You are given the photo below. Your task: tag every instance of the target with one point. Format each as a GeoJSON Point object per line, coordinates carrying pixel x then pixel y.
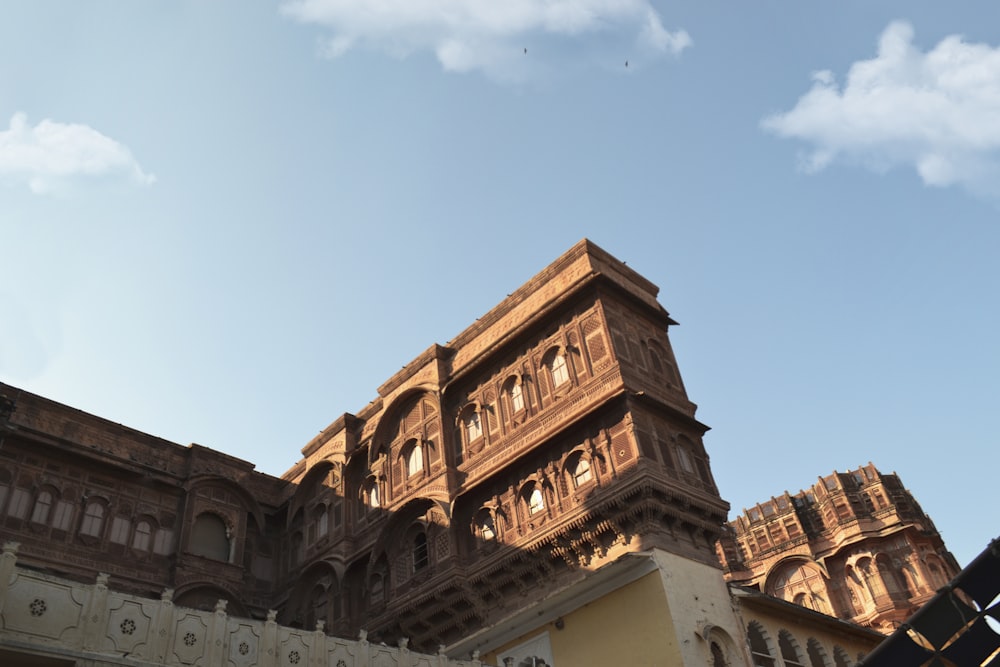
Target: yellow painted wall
{"type": "Point", "coordinates": [630, 626]}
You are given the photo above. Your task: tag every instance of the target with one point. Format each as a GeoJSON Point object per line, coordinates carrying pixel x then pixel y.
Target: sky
{"type": "Point", "coordinates": [228, 222]}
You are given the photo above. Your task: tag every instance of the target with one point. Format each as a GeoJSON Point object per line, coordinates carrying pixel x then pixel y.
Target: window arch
{"type": "Point", "coordinates": [685, 454]}
{"type": "Point", "coordinates": [370, 493]}
{"type": "Point", "coordinates": [62, 517]}
{"type": "Point", "coordinates": [322, 521]}
{"type": "Point", "coordinates": [20, 503]}
{"type": "Point", "coordinates": [43, 505]}
{"type": "Point", "coordinates": [936, 573]}
{"type": "Point", "coordinates": [210, 537]}
{"type": "Point", "coordinates": [840, 657]}
{"type": "Point", "coordinates": [789, 652]}
{"type": "Point", "coordinates": [759, 650]}
{"type": "Point", "coordinates": [579, 470]}
{"type": "Point", "coordinates": [485, 525]}
{"type": "Point", "coordinates": [534, 499]}
{"type": "Point", "coordinates": [816, 653]}
{"type": "Point", "coordinates": [516, 396]}
{"type": "Point", "coordinates": [93, 519]}
{"type": "Point", "coordinates": [121, 527]}
{"type": "Point", "coordinates": [472, 426]}
{"type": "Point", "coordinates": [413, 456]}
{"type": "Point", "coordinates": [718, 657]}
{"type": "Point", "coordinates": [558, 369]}
{"type": "Point", "coordinates": [142, 536]}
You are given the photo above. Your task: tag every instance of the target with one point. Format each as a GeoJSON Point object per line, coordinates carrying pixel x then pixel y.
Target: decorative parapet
{"type": "Point", "coordinates": [45, 615]}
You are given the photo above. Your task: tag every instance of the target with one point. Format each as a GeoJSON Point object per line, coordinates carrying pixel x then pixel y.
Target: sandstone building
{"type": "Point", "coordinates": [855, 545]}
{"type": "Point", "coordinates": [534, 491]}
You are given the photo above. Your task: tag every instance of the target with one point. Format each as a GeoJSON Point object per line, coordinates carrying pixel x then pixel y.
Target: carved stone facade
{"type": "Point", "coordinates": [519, 491]}
{"type": "Point", "coordinates": [548, 439]}
{"type": "Point", "coordinates": [856, 545]}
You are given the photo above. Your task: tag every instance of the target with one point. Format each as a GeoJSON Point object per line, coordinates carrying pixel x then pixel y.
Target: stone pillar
{"type": "Point", "coordinates": [317, 651]}
{"type": "Point", "coordinates": [7, 563]}
{"type": "Point", "coordinates": [269, 642]}
{"type": "Point", "coordinates": [217, 635]}
{"type": "Point", "coordinates": [404, 653]}
{"type": "Point", "coordinates": [163, 626]}
{"type": "Point", "coordinates": [95, 615]}
{"type": "Point", "coordinates": [364, 654]}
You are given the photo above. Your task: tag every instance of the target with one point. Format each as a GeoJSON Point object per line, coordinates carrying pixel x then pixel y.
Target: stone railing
{"type": "Point", "coordinates": [90, 624]}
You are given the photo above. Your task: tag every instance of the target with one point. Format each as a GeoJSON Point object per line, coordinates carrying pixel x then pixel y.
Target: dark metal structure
{"type": "Point", "coordinates": [959, 627]}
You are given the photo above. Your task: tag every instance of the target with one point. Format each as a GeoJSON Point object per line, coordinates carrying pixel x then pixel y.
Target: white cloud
{"type": "Point", "coordinates": [938, 111]}
{"type": "Point", "coordinates": [487, 35]}
{"type": "Point", "coordinates": [46, 155]}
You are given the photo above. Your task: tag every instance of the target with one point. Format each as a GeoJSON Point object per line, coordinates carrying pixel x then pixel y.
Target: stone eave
{"type": "Point", "coordinates": [750, 597]}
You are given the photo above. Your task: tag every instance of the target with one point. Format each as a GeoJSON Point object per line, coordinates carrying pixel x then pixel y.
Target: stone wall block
{"type": "Point", "coordinates": [384, 656]}
{"type": "Point", "coordinates": [190, 639]}
{"type": "Point", "coordinates": [341, 653]}
{"type": "Point", "coordinates": [43, 608]}
{"type": "Point", "coordinates": [130, 627]}
{"type": "Point", "coordinates": [244, 643]}
{"type": "Point", "coordinates": [293, 650]}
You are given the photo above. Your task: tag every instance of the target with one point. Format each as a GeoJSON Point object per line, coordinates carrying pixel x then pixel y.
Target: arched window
{"type": "Point", "coordinates": [163, 541]}
{"type": "Point", "coordinates": [420, 555]}
{"type": "Point", "coordinates": [485, 526]}
{"type": "Point", "coordinates": [322, 521]}
{"type": "Point", "coordinates": [559, 371]}
{"type": "Point", "coordinates": [43, 503]}
{"type": "Point", "coordinates": [62, 519]}
{"type": "Point", "coordinates": [516, 397]}
{"type": "Point", "coordinates": [789, 653]}
{"type": "Point", "coordinates": [93, 520]}
{"type": "Point", "coordinates": [817, 656]}
{"type": "Point", "coordinates": [20, 502]}
{"type": "Point", "coordinates": [536, 501]}
{"type": "Point", "coordinates": [414, 460]}
{"type": "Point", "coordinates": [758, 646]}
{"type": "Point", "coordinates": [473, 426]}
{"type": "Point", "coordinates": [718, 658]}
{"type": "Point", "coordinates": [371, 495]}
{"type": "Point", "coordinates": [581, 472]}
{"type": "Point", "coordinates": [210, 537]}
{"type": "Point", "coordinates": [684, 458]}
{"type": "Point", "coordinates": [121, 526]}
{"type": "Point", "coordinates": [142, 536]}
{"type": "Point", "coordinates": [937, 577]}
{"type": "Point", "coordinates": [840, 657]}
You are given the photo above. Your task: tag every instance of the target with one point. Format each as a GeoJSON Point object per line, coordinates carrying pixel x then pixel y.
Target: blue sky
{"type": "Point", "coordinates": [228, 222]}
